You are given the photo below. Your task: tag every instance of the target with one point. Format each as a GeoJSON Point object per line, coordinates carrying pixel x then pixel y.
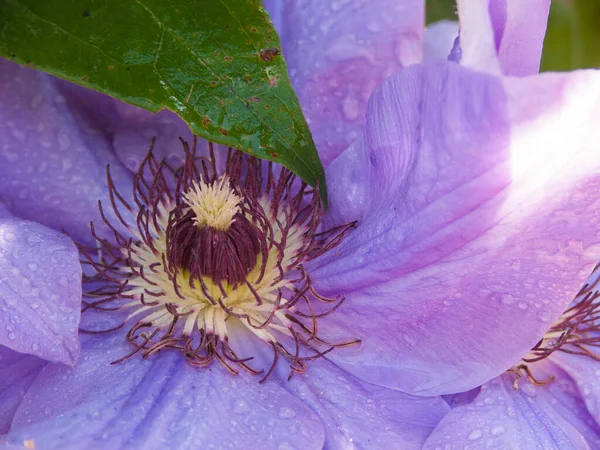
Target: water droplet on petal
{"type": "Point", "coordinates": [240, 407]}
{"type": "Point", "coordinates": [475, 434]}
{"type": "Point", "coordinates": [498, 430]}
{"type": "Point", "coordinates": [286, 413]}
{"type": "Point", "coordinates": [350, 107]}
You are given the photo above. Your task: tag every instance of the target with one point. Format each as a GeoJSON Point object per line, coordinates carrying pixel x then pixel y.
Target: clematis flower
{"type": "Point", "coordinates": [472, 193]}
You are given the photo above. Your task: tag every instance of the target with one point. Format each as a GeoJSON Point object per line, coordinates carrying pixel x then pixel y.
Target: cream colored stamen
{"type": "Point", "coordinates": [214, 205]}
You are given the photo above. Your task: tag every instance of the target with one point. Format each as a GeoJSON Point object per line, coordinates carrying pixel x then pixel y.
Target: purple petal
{"type": "Point", "coordinates": [338, 52]}
{"type": "Point", "coordinates": [586, 374]}
{"type": "Point", "coordinates": [17, 373]}
{"type": "Point", "coordinates": [160, 402]}
{"type": "Point", "coordinates": [503, 35]}
{"type": "Point", "coordinates": [53, 158]}
{"type": "Point", "coordinates": [40, 291]}
{"type": "Point", "coordinates": [438, 40]}
{"type": "Point", "coordinates": [545, 417]}
{"type": "Point", "coordinates": [473, 197]}
{"type": "Point", "coordinates": [131, 130]}
{"type": "Point", "coordinates": [360, 415]}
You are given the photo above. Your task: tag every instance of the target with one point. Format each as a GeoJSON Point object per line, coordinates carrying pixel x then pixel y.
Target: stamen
{"type": "Point", "coordinates": [214, 205]}
{"type": "Point", "coordinates": [212, 255]}
{"type": "Point", "coordinates": [576, 332]}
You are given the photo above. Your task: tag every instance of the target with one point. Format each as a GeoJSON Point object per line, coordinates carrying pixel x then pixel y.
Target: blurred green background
{"type": "Point", "coordinates": [573, 36]}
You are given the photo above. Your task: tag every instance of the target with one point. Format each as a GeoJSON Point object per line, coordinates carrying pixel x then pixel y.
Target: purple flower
{"type": "Point", "coordinates": [474, 195]}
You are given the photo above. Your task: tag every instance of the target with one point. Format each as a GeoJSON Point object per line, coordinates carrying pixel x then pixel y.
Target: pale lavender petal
{"type": "Point", "coordinates": [52, 158]}
{"type": "Point", "coordinates": [17, 373]}
{"type": "Point", "coordinates": [158, 403]}
{"type": "Point", "coordinates": [40, 291]}
{"type": "Point", "coordinates": [474, 227]}
{"type": "Point", "coordinates": [360, 415]}
{"type": "Point", "coordinates": [438, 40]}
{"type": "Point", "coordinates": [586, 374]}
{"type": "Point", "coordinates": [338, 52]}
{"type": "Point", "coordinates": [503, 35]}
{"type": "Point", "coordinates": [545, 417]}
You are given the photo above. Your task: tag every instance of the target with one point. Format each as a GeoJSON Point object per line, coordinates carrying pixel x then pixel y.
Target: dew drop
{"type": "Point", "coordinates": [475, 434]}
{"type": "Point", "coordinates": [63, 140]}
{"type": "Point", "coordinates": [37, 100]}
{"type": "Point", "coordinates": [350, 108]}
{"type": "Point", "coordinates": [286, 413]}
{"type": "Point", "coordinates": [11, 336]}
{"type": "Point", "coordinates": [507, 299]}
{"type": "Point", "coordinates": [18, 135]}
{"type": "Point", "coordinates": [497, 430]}
{"type": "Point", "coordinates": [240, 407]}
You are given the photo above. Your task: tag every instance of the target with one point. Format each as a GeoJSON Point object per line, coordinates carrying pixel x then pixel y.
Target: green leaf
{"type": "Point", "coordinates": [215, 63]}
{"type": "Point", "coordinates": [440, 10]}
{"type": "Point", "coordinates": [572, 36]}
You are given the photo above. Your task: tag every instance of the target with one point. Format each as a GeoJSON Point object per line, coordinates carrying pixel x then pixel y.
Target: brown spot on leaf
{"type": "Point", "coordinates": [29, 64]}
{"type": "Point", "coordinates": [273, 81]}
{"type": "Point", "coordinates": [273, 154]}
{"type": "Point", "coordinates": [254, 29]}
{"type": "Point", "coordinates": [205, 122]}
{"type": "Point", "coordinates": [267, 54]}
{"type": "Point", "coordinates": [223, 131]}
{"type": "Point", "coordinates": [221, 103]}
{"type": "Point", "coordinates": [111, 67]}
{"type": "Point", "coordinates": [267, 106]}
{"type": "Point", "coordinates": [228, 58]}
{"type": "Point", "coordinates": [213, 83]}
{"type": "Point", "coordinates": [85, 78]}
{"type": "Point", "coordinates": [254, 99]}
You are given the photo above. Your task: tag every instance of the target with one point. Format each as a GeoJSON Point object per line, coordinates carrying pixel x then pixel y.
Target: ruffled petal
{"type": "Point", "coordinates": [503, 36]}
{"type": "Point", "coordinates": [40, 291]}
{"type": "Point", "coordinates": [360, 415]}
{"type": "Point", "coordinates": [551, 417]}
{"type": "Point", "coordinates": [475, 225]}
{"type": "Point", "coordinates": [17, 373]}
{"type": "Point", "coordinates": [52, 158]}
{"type": "Point", "coordinates": [338, 52]}
{"type": "Point", "coordinates": [158, 403]}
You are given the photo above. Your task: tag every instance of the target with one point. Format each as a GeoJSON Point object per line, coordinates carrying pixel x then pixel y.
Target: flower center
{"type": "Point", "coordinates": [214, 259]}
{"type": "Point", "coordinates": [209, 235]}
{"type": "Point", "coordinates": [576, 332]}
